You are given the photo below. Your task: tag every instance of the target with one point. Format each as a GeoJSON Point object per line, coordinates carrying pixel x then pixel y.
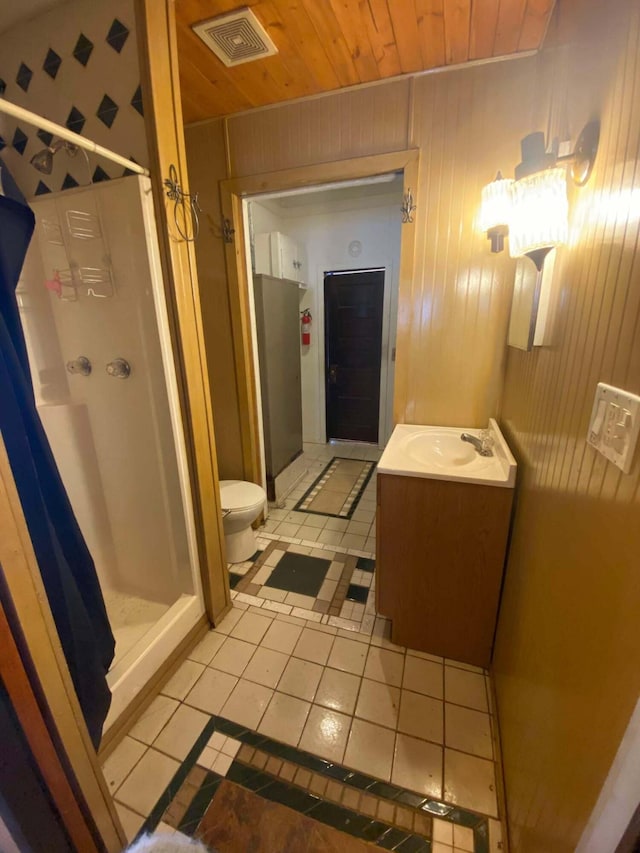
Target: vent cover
{"type": "Point", "coordinates": [236, 38]}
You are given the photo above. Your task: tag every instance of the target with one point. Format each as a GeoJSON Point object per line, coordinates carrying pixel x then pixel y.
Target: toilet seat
{"type": "Point", "coordinates": [238, 495]}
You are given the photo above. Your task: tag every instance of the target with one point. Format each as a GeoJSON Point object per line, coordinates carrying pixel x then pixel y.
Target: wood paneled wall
{"type": "Point", "coordinates": [207, 166]}
{"type": "Point", "coordinates": [567, 658]}
{"type": "Point", "coordinates": [466, 124]}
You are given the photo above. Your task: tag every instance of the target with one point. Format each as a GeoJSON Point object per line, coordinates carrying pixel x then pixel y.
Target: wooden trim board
{"type": "Point", "coordinates": [232, 193]}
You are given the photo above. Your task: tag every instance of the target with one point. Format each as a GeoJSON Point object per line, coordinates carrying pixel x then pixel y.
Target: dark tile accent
{"type": "Point", "coordinates": [408, 798]}
{"type": "Point", "coordinates": [3, 86]}
{"type": "Point", "coordinates": [3, 144]}
{"type": "Point", "coordinates": [69, 182]}
{"type": "Point", "coordinates": [107, 111]}
{"type": "Point", "coordinates": [229, 728]}
{"type": "Point", "coordinates": [289, 795]}
{"type": "Point", "coordinates": [200, 803]}
{"type": "Point", "coordinates": [23, 77]}
{"type": "Point", "coordinates": [358, 780]}
{"type": "Point", "coordinates": [464, 818]}
{"type": "Point", "coordinates": [51, 64]}
{"type": "Point", "coordinates": [255, 556]}
{"type": "Point", "coordinates": [335, 771]}
{"type": "Point", "coordinates": [181, 774]}
{"type": "Point", "coordinates": [241, 774]}
{"type": "Point", "coordinates": [136, 103]}
{"type": "Point", "coordinates": [357, 593]}
{"type": "Point", "coordinates": [414, 844]}
{"type": "Point", "coordinates": [366, 564]}
{"type": "Point", "coordinates": [392, 839]}
{"type": "Point", "coordinates": [83, 49]}
{"type": "Point", "coordinates": [299, 573]}
{"type": "Point", "coordinates": [340, 818]}
{"type": "Point", "coordinates": [234, 579]}
{"type": "Point", "coordinates": [253, 738]}
{"type": "Point", "coordinates": [373, 831]}
{"type": "Point", "coordinates": [42, 188]}
{"type": "Point", "coordinates": [117, 35]}
{"type": "Point", "coordinates": [45, 136]}
{"type": "Point", "coordinates": [382, 789]}
{"type": "Point", "coordinates": [19, 141]}
{"type": "Point", "coordinates": [99, 175]}
{"type": "Point", "coordinates": [75, 120]}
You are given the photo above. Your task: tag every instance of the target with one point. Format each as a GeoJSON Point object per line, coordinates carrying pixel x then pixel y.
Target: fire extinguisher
{"type": "Point", "coordinates": [306, 327]}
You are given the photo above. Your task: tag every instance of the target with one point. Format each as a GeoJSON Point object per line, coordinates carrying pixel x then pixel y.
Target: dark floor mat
{"type": "Point", "coordinates": [299, 573]}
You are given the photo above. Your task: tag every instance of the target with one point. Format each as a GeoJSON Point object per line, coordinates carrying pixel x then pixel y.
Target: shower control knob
{"type": "Point", "coordinates": [119, 368]}
{"type": "Point", "coordinates": [80, 365]}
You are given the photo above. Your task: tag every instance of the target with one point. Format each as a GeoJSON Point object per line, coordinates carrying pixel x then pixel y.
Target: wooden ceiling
{"type": "Point", "coordinates": [328, 44]}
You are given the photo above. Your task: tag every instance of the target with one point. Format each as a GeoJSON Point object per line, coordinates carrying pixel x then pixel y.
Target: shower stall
{"type": "Point", "coordinates": [93, 309]}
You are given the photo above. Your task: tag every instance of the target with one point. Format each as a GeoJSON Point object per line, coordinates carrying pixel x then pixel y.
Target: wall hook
{"type": "Point", "coordinates": [185, 201]}
{"type": "Point", "coordinates": [227, 231]}
{"type": "Point", "coordinates": [407, 207]}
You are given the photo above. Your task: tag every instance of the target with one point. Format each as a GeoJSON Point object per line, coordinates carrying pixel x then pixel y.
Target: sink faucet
{"type": "Point", "coordinates": [482, 445]}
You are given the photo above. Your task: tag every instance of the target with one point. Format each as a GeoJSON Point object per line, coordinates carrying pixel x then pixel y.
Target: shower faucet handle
{"type": "Point", "coordinates": [120, 368]}
{"type": "Point", "coordinates": [80, 365]}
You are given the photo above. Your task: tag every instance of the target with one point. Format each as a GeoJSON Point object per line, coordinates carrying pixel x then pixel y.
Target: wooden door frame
{"type": "Point", "coordinates": [232, 193]}
{"type": "Point", "coordinates": [329, 274]}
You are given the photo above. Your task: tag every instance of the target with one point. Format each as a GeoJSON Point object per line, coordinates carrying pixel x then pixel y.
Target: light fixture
{"type": "Point", "coordinates": [495, 211]}
{"type": "Point", "coordinates": [43, 160]}
{"type": "Point", "coordinates": [534, 209]}
{"type": "Point", "coordinates": [539, 215]}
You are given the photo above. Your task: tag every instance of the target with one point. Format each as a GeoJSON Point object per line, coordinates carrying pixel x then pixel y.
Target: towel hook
{"type": "Point", "coordinates": [181, 199]}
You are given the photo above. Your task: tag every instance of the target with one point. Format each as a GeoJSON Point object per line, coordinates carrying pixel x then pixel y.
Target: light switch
{"type": "Point", "coordinates": [615, 424]}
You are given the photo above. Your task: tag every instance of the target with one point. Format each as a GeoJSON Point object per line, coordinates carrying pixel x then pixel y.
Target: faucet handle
{"type": "Point", "coordinates": [486, 437]}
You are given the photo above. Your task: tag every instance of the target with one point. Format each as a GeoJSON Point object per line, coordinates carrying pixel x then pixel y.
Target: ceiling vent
{"type": "Point", "coordinates": [236, 38]}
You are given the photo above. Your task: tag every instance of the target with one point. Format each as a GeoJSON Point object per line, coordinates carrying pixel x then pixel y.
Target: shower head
{"type": "Point", "coordinates": [43, 160]}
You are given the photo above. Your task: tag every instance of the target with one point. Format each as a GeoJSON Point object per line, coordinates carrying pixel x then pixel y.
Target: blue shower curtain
{"type": "Point", "coordinates": [64, 561]}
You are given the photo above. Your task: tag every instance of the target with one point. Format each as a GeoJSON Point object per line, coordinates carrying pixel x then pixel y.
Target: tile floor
{"type": "Point", "coordinates": [334, 686]}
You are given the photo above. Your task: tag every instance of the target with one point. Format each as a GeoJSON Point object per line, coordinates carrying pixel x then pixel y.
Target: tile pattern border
{"type": "Point", "coordinates": [352, 500]}
{"type": "Point", "coordinates": [407, 827]}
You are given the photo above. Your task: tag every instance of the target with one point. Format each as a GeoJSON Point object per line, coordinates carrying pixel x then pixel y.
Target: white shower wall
{"type": "Point", "coordinates": [118, 442]}
{"type": "Point", "coordinates": [112, 437]}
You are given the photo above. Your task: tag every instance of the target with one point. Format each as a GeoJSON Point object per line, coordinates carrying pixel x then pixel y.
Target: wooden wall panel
{"type": "Point", "coordinates": [466, 124]}
{"type": "Point", "coordinates": [334, 127]}
{"type": "Point", "coordinates": [567, 659]}
{"type": "Point", "coordinates": [207, 166]}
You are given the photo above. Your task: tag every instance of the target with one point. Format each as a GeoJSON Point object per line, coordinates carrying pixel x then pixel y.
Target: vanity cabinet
{"type": "Point", "coordinates": [441, 548]}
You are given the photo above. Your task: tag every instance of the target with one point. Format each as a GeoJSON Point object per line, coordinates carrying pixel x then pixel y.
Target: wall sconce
{"type": "Point", "coordinates": [534, 210]}
{"type": "Point", "coordinates": [495, 211]}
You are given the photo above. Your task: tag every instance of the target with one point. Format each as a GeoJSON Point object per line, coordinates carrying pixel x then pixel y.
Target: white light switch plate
{"type": "Point", "coordinates": [615, 424]}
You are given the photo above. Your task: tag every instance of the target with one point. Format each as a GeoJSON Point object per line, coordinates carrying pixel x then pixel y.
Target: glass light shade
{"type": "Point", "coordinates": [495, 207]}
{"type": "Point", "coordinates": [539, 213]}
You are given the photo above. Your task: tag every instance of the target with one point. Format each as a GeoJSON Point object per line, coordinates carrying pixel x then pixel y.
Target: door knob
{"type": "Point", "coordinates": [333, 374]}
{"type": "Point", "coordinates": [80, 365]}
{"type": "Point", "coordinates": [120, 368]}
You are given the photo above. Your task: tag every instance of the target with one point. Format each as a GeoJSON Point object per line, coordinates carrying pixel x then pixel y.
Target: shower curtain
{"type": "Point", "coordinates": [67, 569]}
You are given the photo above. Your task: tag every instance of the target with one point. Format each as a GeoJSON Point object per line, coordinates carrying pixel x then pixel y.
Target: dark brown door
{"type": "Point", "coordinates": [353, 347]}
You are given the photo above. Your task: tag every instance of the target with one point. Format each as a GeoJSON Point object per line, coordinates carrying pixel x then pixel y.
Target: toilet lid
{"type": "Point", "coordinates": [238, 494]}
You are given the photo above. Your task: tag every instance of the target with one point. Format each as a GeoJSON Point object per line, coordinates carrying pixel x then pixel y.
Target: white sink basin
{"type": "Point", "coordinates": [439, 453]}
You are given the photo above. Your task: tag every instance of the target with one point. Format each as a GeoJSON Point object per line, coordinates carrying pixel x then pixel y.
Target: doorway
{"type": "Point", "coordinates": [353, 304]}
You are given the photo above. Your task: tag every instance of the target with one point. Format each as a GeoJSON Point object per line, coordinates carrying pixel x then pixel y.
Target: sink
{"type": "Point", "coordinates": [439, 453]}
{"type": "Point", "coordinates": [441, 448]}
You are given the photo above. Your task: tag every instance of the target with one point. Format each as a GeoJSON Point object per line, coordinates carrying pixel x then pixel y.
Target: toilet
{"type": "Point", "coordinates": [241, 504]}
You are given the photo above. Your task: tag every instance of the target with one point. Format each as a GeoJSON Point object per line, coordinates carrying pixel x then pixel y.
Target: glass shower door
{"type": "Point", "coordinates": [93, 308]}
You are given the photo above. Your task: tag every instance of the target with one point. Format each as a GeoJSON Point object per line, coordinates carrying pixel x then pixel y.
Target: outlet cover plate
{"type": "Point", "coordinates": [615, 424]}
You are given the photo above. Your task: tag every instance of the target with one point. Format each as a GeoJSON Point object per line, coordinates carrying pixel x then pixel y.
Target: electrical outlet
{"type": "Point", "coordinates": [615, 424]}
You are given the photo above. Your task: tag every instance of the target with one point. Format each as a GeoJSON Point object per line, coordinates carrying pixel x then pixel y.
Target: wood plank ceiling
{"type": "Point", "coordinates": [329, 44]}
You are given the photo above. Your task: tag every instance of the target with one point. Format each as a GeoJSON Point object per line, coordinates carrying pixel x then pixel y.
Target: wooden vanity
{"type": "Point", "coordinates": [440, 553]}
